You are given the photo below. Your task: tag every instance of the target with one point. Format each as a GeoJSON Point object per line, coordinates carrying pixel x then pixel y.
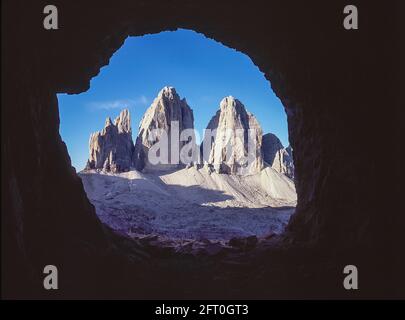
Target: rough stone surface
{"type": "Point", "coordinates": [278, 157]}
{"type": "Point", "coordinates": [333, 98]}
{"type": "Point", "coordinates": [111, 149]}
{"type": "Point", "coordinates": [244, 243]}
{"type": "Point", "coordinates": [236, 142]}
{"type": "Point", "coordinates": [166, 110]}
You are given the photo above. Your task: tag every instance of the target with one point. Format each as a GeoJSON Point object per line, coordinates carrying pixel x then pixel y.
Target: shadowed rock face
{"type": "Point", "coordinates": [229, 151]}
{"type": "Point", "coordinates": [278, 157]}
{"type": "Point", "coordinates": [166, 110]}
{"type": "Point", "coordinates": [111, 149]}
{"type": "Point", "coordinates": [333, 83]}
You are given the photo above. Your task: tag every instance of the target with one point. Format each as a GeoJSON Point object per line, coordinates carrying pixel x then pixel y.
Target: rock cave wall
{"type": "Point", "coordinates": [333, 83]}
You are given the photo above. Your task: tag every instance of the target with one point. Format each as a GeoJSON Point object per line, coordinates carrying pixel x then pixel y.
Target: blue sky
{"type": "Point", "coordinates": [202, 70]}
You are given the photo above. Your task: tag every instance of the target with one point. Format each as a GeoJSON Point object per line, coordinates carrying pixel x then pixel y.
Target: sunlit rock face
{"type": "Point", "coordinates": [111, 149]}
{"type": "Point", "coordinates": [276, 156]}
{"type": "Point", "coordinates": [166, 118]}
{"type": "Point", "coordinates": [236, 138]}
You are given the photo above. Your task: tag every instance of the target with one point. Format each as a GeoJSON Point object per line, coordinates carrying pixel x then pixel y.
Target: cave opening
{"type": "Point", "coordinates": [169, 83]}
{"type": "Point", "coordinates": [332, 83]}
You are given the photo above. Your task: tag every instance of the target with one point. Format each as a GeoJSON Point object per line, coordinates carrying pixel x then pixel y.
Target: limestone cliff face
{"type": "Point", "coordinates": [289, 162]}
{"type": "Point", "coordinates": [235, 144]}
{"type": "Point", "coordinates": [236, 140]}
{"type": "Point", "coordinates": [276, 156]}
{"type": "Point", "coordinates": [111, 149]}
{"type": "Point", "coordinates": [168, 115]}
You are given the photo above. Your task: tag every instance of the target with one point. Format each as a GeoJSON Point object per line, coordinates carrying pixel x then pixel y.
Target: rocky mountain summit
{"type": "Point", "coordinates": [111, 149]}
{"type": "Point", "coordinates": [237, 139]}
{"type": "Point", "coordinates": [276, 156]}
{"type": "Point", "coordinates": [171, 116]}
{"type": "Point", "coordinates": [233, 143]}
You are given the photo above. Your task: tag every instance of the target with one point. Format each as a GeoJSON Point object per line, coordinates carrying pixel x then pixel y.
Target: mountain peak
{"type": "Point", "coordinates": [233, 103]}
{"type": "Point", "coordinates": [108, 122]}
{"type": "Point", "coordinates": [229, 100]}
{"type": "Point", "coordinates": [167, 91]}
{"type": "Point", "coordinates": [278, 157]}
{"type": "Point", "coordinates": [167, 108]}
{"type": "Point", "coordinates": [111, 148]}
{"type": "Point", "coordinates": [233, 116]}
{"type": "Point", "coordinates": [123, 121]}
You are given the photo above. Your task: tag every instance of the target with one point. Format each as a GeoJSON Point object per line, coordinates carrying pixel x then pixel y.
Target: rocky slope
{"type": "Point", "coordinates": [111, 149]}
{"type": "Point", "coordinates": [236, 140]}
{"type": "Point", "coordinates": [276, 156]}
{"type": "Point", "coordinates": [192, 203]}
